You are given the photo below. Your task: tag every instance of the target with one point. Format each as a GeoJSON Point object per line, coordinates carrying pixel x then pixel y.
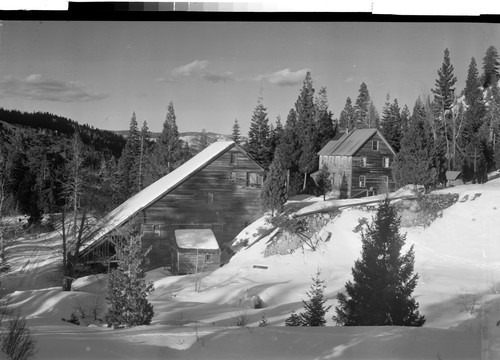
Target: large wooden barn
{"type": "Point", "coordinates": [218, 189]}
{"type": "Point", "coordinates": [362, 159]}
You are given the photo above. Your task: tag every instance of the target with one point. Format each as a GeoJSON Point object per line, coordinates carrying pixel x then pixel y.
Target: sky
{"type": "Point", "coordinates": [99, 73]}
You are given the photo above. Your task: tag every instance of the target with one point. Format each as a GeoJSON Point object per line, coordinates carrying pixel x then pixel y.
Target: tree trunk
{"type": "Point", "coordinates": [305, 182]}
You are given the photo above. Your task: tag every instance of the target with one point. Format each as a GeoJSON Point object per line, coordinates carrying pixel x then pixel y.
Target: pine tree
{"type": "Point", "coordinates": [362, 107]}
{"type": "Point", "coordinates": [166, 154]}
{"type": "Point", "coordinates": [326, 129]}
{"type": "Point", "coordinates": [314, 308]}
{"type": "Point", "coordinates": [413, 164]}
{"type": "Point", "coordinates": [444, 95]}
{"type": "Point", "coordinates": [274, 190]}
{"type": "Point", "coordinates": [127, 288]}
{"type": "Point", "coordinates": [373, 117]}
{"type": "Point", "coordinates": [258, 135]}
{"type": "Point", "coordinates": [145, 148]}
{"type": "Point", "coordinates": [405, 118]}
{"type": "Point", "coordinates": [383, 279]}
{"type": "Point", "coordinates": [236, 135]}
{"type": "Point", "coordinates": [128, 163]}
{"type": "Point", "coordinates": [490, 66]}
{"type": "Point", "coordinates": [346, 120]}
{"type": "Point", "coordinates": [308, 133]}
{"type": "Point", "coordinates": [391, 124]}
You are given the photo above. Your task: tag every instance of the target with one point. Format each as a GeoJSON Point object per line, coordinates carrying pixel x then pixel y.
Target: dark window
{"type": "Point", "coordinates": [234, 157]}
{"type": "Point", "coordinates": [232, 176]}
{"type": "Point", "coordinates": [385, 180]}
{"type": "Point", "coordinates": [375, 145]}
{"type": "Point", "coordinates": [208, 257]}
{"type": "Point", "coordinates": [156, 230]}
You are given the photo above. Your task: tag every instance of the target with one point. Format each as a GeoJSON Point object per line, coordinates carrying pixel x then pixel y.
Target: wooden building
{"type": "Point", "coordinates": [194, 251]}
{"type": "Point", "coordinates": [454, 178]}
{"type": "Point", "coordinates": [362, 159]}
{"type": "Point", "coordinates": [218, 189]}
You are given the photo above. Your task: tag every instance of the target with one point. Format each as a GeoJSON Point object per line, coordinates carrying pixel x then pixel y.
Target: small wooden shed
{"type": "Point", "coordinates": [454, 178]}
{"type": "Point", "coordinates": [195, 250]}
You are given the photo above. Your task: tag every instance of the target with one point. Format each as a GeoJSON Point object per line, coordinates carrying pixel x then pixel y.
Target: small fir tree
{"type": "Point", "coordinates": [274, 191]}
{"type": "Point", "coordinates": [383, 278]}
{"type": "Point", "coordinates": [293, 320]}
{"type": "Point", "coordinates": [258, 135]}
{"type": "Point", "coordinates": [314, 308]}
{"type": "Point", "coordinates": [127, 288]}
{"type": "Point", "coordinates": [323, 183]}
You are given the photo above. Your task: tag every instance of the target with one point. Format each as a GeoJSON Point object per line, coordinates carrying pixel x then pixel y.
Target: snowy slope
{"type": "Point", "coordinates": [457, 254]}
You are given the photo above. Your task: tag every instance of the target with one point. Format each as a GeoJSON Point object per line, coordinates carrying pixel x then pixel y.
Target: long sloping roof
{"type": "Point", "coordinates": [155, 191]}
{"type": "Point", "coordinates": [350, 143]}
{"type": "Point", "coordinates": [452, 175]}
{"type": "Point", "coordinates": [332, 144]}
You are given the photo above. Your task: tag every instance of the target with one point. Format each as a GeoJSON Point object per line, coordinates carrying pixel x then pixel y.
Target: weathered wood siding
{"type": "Point", "coordinates": [221, 196]}
{"type": "Point", "coordinates": [374, 171]}
{"type": "Point", "coordinates": [192, 261]}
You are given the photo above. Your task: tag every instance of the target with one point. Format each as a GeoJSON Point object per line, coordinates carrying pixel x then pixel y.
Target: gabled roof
{"type": "Point", "coordinates": [332, 144]}
{"type": "Point", "coordinates": [452, 175]}
{"type": "Point", "coordinates": [155, 191]}
{"type": "Point", "coordinates": [203, 239]}
{"type": "Point", "coordinates": [351, 142]}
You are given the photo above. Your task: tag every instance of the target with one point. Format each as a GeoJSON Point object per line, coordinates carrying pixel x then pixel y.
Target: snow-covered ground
{"type": "Point", "coordinates": [457, 255]}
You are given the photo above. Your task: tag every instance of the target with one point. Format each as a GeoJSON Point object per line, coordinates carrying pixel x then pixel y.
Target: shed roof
{"type": "Point", "coordinates": [203, 239]}
{"type": "Point", "coordinates": [350, 143]}
{"type": "Point", "coordinates": [155, 191]}
{"type": "Point", "coordinates": [452, 175]}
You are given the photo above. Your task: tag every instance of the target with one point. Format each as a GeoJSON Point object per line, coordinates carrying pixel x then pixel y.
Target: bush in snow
{"type": "Point", "coordinates": [16, 338]}
{"type": "Point", "coordinates": [383, 279]}
{"type": "Point", "coordinates": [293, 320]}
{"type": "Point", "coordinates": [127, 288]}
{"type": "Point", "coordinates": [263, 321]}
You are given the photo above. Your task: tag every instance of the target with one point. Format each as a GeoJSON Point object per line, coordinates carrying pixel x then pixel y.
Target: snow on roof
{"type": "Point", "coordinates": [350, 143]}
{"type": "Point", "coordinates": [153, 192]}
{"type": "Point", "coordinates": [452, 175]}
{"type": "Point", "coordinates": [196, 239]}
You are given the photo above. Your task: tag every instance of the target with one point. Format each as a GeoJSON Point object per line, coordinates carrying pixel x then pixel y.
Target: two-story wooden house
{"type": "Point", "coordinates": [218, 189]}
{"type": "Point", "coordinates": [363, 159]}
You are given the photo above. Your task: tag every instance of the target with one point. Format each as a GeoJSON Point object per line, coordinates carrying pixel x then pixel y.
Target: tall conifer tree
{"type": "Point", "coordinates": [490, 66]}
{"type": "Point", "coordinates": [361, 108]}
{"type": "Point", "coordinates": [236, 134]}
{"type": "Point", "coordinates": [308, 134]}
{"type": "Point", "coordinates": [383, 278]}
{"type": "Point", "coordinates": [326, 128]}
{"type": "Point", "coordinates": [258, 135]}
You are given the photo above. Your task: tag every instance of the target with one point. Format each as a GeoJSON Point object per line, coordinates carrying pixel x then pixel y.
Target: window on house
{"type": "Point", "coordinates": [385, 180]}
{"type": "Point", "coordinates": [208, 257]}
{"type": "Point", "coordinates": [375, 145]}
{"type": "Point", "coordinates": [363, 161]}
{"type": "Point", "coordinates": [385, 162]}
{"type": "Point", "coordinates": [156, 230]}
{"type": "Point", "coordinates": [234, 157]}
{"type": "Point", "coordinates": [254, 179]}
{"type": "Point", "coordinates": [147, 229]}
{"type": "Point", "coordinates": [362, 181]}
{"type": "Point", "coordinates": [232, 176]}
{"type": "Point", "coordinates": [210, 198]}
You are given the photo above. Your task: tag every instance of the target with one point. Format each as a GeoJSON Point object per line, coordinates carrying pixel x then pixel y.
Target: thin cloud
{"type": "Point", "coordinates": [285, 77]}
{"type": "Point", "coordinates": [36, 87]}
{"type": "Point", "coordinates": [197, 70]}
{"type": "Point", "coordinates": [217, 78]}
{"type": "Point", "coordinates": [193, 68]}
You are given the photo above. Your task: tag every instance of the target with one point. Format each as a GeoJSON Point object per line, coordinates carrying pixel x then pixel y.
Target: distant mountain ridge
{"type": "Point", "coordinates": [189, 136]}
